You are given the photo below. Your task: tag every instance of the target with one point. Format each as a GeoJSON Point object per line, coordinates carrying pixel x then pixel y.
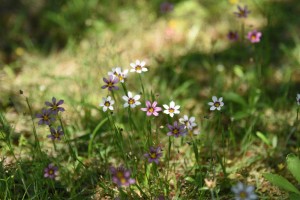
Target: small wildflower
{"type": "Point", "coordinates": [138, 66]}
{"type": "Point", "coordinates": [154, 154]}
{"type": "Point", "coordinates": [176, 130]}
{"type": "Point", "coordinates": [107, 103]}
{"type": "Point", "coordinates": [254, 36]}
{"type": "Point", "coordinates": [242, 12]}
{"type": "Point", "coordinates": [131, 100]}
{"type": "Point", "coordinates": [151, 109]}
{"type": "Point", "coordinates": [233, 36]}
{"type": "Point", "coordinates": [121, 176]}
{"type": "Point", "coordinates": [54, 106]}
{"type": "Point", "coordinates": [216, 104]}
{"type": "Point", "coordinates": [51, 171]}
{"type": "Point", "coordinates": [243, 192]}
{"type": "Point", "coordinates": [56, 134]}
{"type": "Point", "coordinates": [166, 7]}
{"type": "Point", "coordinates": [46, 117]}
{"type": "Point", "coordinates": [210, 183]}
{"type": "Point", "coordinates": [110, 83]}
{"type": "Point", "coordinates": [188, 122]}
{"type": "Point", "coordinates": [298, 99]}
{"type": "Point", "coordinates": [117, 72]}
{"type": "Point", "coordinates": [172, 109]}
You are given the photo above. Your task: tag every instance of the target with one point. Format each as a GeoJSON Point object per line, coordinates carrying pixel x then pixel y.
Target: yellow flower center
{"type": "Point", "coordinates": [171, 110]}
{"type": "Point", "coordinates": [56, 135]}
{"type": "Point", "coordinates": [54, 107]}
{"type": "Point", "coordinates": [153, 155]}
{"type": "Point", "coordinates": [51, 172]}
{"type": "Point", "coordinates": [217, 104]}
{"type": "Point", "coordinates": [120, 77]}
{"type": "Point", "coordinates": [45, 117]}
{"type": "Point", "coordinates": [110, 84]}
{"type": "Point", "coordinates": [138, 68]}
{"type": "Point", "coordinates": [151, 110]}
{"type": "Point", "coordinates": [107, 104]}
{"type": "Point", "coordinates": [253, 37]}
{"type": "Point", "coordinates": [175, 131]}
{"type": "Point", "coordinates": [243, 195]}
{"type": "Point", "coordinates": [121, 177]}
{"type": "Point", "coordinates": [131, 101]}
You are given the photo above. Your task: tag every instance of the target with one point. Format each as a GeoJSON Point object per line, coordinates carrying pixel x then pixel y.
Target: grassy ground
{"type": "Point", "coordinates": [189, 60]}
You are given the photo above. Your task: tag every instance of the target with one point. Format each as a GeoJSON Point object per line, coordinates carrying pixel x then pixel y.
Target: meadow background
{"type": "Point", "coordinates": [64, 48]}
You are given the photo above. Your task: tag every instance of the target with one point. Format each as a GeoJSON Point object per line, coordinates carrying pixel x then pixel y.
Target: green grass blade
{"type": "Point", "coordinates": [293, 164]}
{"type": "Point", "coordinates": [281, 182]}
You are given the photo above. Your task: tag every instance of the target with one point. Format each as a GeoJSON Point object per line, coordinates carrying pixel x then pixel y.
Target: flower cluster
{"type": "Point", "coordinates": [176, 128]}
{"type": "Point", "coordinates": [49, 116]}
{"type": "Point", "coordinates": [253, 36]}
{"type": "Point", "coordinates": [121, 176]}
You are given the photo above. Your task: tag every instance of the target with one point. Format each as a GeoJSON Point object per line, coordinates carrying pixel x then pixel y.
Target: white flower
{"type": "Point", "coordinates": [216, 104]}
{"type": "Point", "coordinates": [298, 99]}
{"type": "Point", "coordinates": [107, 103]}
{"type": "Point", "coordinates": [172, 109]}
{"type": "Point", "coordinates": [131, 101]}
{"type": "Point", "coordinates": [117, 72]}
{"type": "Point", "coordinates": [138, 66]}
{"type": "Point", "coordinates": [243, 192]}
{"type": "Point", "coordinates": [188, 122]}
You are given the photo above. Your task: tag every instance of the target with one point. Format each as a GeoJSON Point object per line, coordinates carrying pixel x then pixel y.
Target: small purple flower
{"type": "Point", "coordinates": [46, 117]}
{"type": "Point", "coordinates": [176, 130]}
{"type": "Point", "coordinates": [56, 134]}
{"type": "Point", "coordinates": [151, 109]}
{"type": "Point", "coordinates": [233, 36]}
{"type": "Point", "coordinates": [154, 154]}
{"type": "Point", "coordinates": [51, 171]}
{"type": "Point", "coordinates": [254, 36]}
{"type": "Point", "coordinates": [110, 83]}
{"type": "Point", "coordinates": [54, 106]}
{"type": "Point", "coordinates": [242, 12]}
{"type": "Point", "coordinates": [166, 7]}
{"type": "Point", "coordinates": [121, 176]}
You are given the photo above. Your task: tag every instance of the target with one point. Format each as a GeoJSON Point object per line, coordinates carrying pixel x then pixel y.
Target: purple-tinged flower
{"type": "Point", "coordinates": [138, 66]}
{"type": "Point", "coordinates": [117, 72]}
{"type": "Point", "coordinates": [110, 83]}
{"type": "Point", "coordinates": [46, 117]}
{"type": "Point", "coordinates": [121, 176]}
{"type": "Point", "coordinates": [56, 134]}
{"type": "Point", "coordinates": [176, 130]}
{"type": "Point", "coordinates": [166, 7]}
{"type": "Point", "coordinates": [107, 103]}
{"type": "Point", "coordinates": [233, 36]}
{"type": "Point", "coordinates": [188, 122]}
{"type": "Point", "coordinates": [151, 109]}
{"type": "Point", "coordinates": [298, 99]}
{"type": "Point", "coordinates": [254, 36]}
{"type": "Point", "coordinates": [154, 154]}
{"type": "Point", "coordinates": [171, 109]}
{"type": "Point", "coordinates": [51, 171]}
{"type": "Point", "coordinates": [243, 192]}
{"type": "Point", "coordinates": [216, 104]}
{"type": "Point", "coordinates": [242, 12]}
{"type": "Point", "coordinates": [131, 100]}
{"type": "Point", "coordinates": [55, 106]}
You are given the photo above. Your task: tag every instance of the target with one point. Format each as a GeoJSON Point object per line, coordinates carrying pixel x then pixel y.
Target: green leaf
{"type": "Point", "coordinates": [281, 182]}
{"type": "Point", "coordinates": [293, 164]}
{"type": "Point", "coordinates": [231, 96]}
{"type": "Point", "coordinates": [294, 196]}
{"type": "Point", "coordinates": [263, 138]}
